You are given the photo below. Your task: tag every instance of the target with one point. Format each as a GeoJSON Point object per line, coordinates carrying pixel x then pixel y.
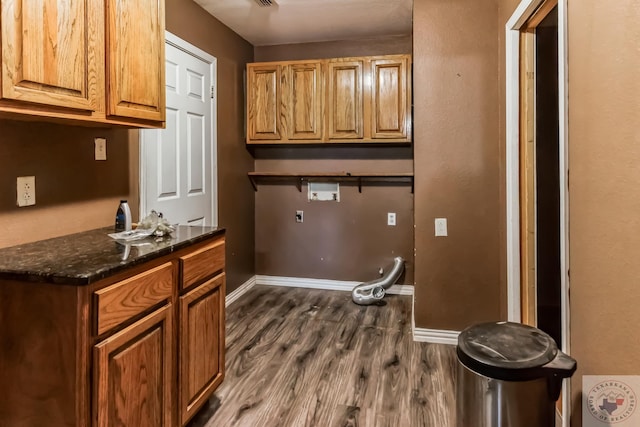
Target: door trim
{"type": "Point", "coordinates": [196, 52]}
{"type": "Point", "coordinates": [514, 25]}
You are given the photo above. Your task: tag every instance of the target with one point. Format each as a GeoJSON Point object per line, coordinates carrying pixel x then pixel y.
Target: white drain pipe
{"type": "Point", "coordinates": [370, 292]}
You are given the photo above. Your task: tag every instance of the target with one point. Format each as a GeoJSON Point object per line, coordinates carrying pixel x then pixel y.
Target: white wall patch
{"type": "Point", "coordinates": [324, 191]}
{"type": "Point", "coordinates": [609, 400]}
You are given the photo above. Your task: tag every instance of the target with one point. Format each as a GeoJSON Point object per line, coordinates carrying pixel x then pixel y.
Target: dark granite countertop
{"type": "Point", "coordinates": [83, 258]}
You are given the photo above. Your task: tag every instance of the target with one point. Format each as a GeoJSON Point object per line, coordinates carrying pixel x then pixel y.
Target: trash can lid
{"type": "Point", "coordinates": [507, 351]}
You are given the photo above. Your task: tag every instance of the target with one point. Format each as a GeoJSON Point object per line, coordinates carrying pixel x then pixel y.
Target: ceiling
{"type": "Point", "coordinates": [302, 21]}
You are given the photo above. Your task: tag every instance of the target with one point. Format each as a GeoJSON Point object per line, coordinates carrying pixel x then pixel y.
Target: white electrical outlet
{"type": "Point", "coordinates": [299, 216]}
{"type": "Point", "coordinates": [26, 191]}
{"type": "Point", "coordinates": [101, 148]}
{"type": "Point", "coordinates": [441, 226]}
{"type": "Point", "coordinates": [391, 218]}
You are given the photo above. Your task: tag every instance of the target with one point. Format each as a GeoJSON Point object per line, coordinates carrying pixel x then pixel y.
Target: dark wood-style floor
{"type": "Point", "coordinates": [303, 357]}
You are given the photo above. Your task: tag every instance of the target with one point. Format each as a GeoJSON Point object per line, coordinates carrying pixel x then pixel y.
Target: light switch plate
{"type": "Point", "coordinates": [391, 218]}
{"type": "Point", "coordinates": [441, 227]}
{"type": "Point", "coordinates": [101, 148]}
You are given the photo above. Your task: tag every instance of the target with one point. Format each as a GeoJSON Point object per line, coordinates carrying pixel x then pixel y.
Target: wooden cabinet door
{"type": "Point", "coordinates": [345, 100]}
{"type": "Point", "coordinates": [133, 374]}
{"type": "Point", "coordinates": [201, 345]}
{"type": "Point", "coordinates": [263, 102]}
{"type": "Point", "coordinates": [52, 53]}
{"type": "Point", "coordinates": [303, 84]}
{"type": "Point", "coordinates": [135, 59]}
{"type": "Point", "coordinates": [389, 98]}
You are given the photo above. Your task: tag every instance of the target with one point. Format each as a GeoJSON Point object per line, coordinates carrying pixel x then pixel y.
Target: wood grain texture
{"type": "Point", "coordinates": [83, 356]}
{"type": "Point", "coordinates": [389, 97]}
{"type": "Point", "coordinates": [133, 374]}
{"type": "Point", "coordinates": [53, 55]}
{"type": "Point", "coordinates": [39, 365]}
{"type": "Point", "coordinates": [136, 62]}
{"type": "Point", "coordinates": [128, 298]}
{"type": "Point", "coordinates": [354, 99]}
{"type": "Point", "coordinates": [54, 60]}
{"type": "Point", "coordinates": [345, 99]}
{"type": "Point", "coordinates": [202, 263]}
{"type": "Point", "coordinates": [527, 169]}
{"type": "Point", "coordinates": [263, 102]}
{"type": "Point", "coordinates": [302, 357]}
{"type": "Point", "coordinates": [56, 370]}
{"type": "Point", "coordinates": [202, 315]}
{"type": "Point", "coordinates": [304, 87]}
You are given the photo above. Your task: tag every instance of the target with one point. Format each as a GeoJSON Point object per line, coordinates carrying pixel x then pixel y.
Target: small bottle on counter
{"type": "Point", "coordinates": [123, 217]}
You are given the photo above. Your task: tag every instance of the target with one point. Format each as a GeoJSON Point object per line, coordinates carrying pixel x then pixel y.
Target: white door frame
{"type": "Point", "coordinates": [187, 47]}
{"type": "Point", "coordinates": [522, 13]}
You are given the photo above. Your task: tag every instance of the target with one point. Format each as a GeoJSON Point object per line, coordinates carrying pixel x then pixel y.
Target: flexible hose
{"type": "Point", "coordinates": [369, 292]}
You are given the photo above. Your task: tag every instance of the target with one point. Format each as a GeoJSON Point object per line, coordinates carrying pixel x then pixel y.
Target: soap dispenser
{"type": "Point", "coordinates": [123, 217]}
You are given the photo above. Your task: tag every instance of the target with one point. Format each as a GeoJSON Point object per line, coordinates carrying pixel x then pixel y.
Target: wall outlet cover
{"type": "Point", "coordinates": [100, 148]}
{"type": "Point", "coordinates": [26, 191]}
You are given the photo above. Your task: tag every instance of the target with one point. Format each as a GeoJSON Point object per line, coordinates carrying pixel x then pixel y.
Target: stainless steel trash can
{"type": "Point", "coordinates": [509, 375]}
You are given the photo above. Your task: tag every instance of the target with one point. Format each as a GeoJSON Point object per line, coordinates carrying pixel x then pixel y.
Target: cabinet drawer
{"type": "Point", "coordinates": [128, 298]}
{"type": "Point", "coordinates": [202, 263]}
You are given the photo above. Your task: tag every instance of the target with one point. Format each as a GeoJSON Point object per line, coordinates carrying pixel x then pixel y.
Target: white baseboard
{"type": "Point", "coordinates": [435, 336]}
{"type": "Point", "coordinates": [329, 285]}
{"type": "Point", "coordinates": [241, 290]}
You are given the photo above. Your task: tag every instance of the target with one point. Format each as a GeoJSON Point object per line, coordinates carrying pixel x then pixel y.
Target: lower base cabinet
{"type": "Point", "coordinates": [201, 355]}
{"type": "Point", "coordinates": [142, 348]}
{"type": "Point", "coordinates": [133, 371]}
{"type": "Point", "coordinates": [136, 367]}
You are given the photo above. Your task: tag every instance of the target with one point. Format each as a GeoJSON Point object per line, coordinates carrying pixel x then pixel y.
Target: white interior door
{"type": "Point", "coordinates": [178, 168]}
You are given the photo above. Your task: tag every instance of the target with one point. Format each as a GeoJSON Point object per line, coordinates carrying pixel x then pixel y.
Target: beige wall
{"type": "Point", "coordinates": [604, 201]}
{"type": "Point", "coordinates": [349, 240]}
{"type": "Point", "coordinates": [73, 191]}
{"type": "Point", "coordinates": [190, 22]}
{"type": "Point", "coordinates": [604, 153]}
{"type": "Point", "coordinates": [457, 163]}
{"type": "Point", "coordinates": [343, 48]}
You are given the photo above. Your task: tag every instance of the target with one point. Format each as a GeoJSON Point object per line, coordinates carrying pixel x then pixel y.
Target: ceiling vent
{"type": "Point", "coordinates": [266, 3]}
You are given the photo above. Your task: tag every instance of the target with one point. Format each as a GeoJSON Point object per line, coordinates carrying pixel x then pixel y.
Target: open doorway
{"type": "Point", "coordinates": [537, 171]}
{"type": "Point", "coordinates": [547, 150]}
{"type": "Point", "coordinates": [540, 173]}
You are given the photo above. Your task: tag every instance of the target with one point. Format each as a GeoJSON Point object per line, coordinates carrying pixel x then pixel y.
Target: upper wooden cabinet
{"type": "Point", "coordinates": [135, 59]}
{"type": "Point", "coordinates": [46, 53]}
{"type": "Point", "coordinates": [263, 122]}
{"type": "Point", "coordinates": [302, 83]}
{"type": "Point", "coordinates": [63, 60]}
{"type": "Point", "coordinates": [341, 100]}
{"type": "Point", "coordinates": [345, 99]}
{"type": "Point", "coordinates": [389, 93]}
